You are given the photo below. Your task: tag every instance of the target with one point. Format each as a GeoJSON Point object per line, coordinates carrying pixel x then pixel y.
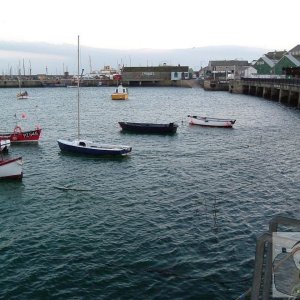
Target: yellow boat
{"type": "Point", "coordinates": [120, 93]}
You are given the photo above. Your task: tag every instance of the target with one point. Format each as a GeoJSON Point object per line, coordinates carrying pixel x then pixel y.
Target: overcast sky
{"type": "Point", "coordinates": [157, 24]}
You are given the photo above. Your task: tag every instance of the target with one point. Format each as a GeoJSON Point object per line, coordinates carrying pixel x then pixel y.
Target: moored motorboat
{"type": "Point", "coordinates": [121, 93]}
{"type": "Point", "coordinates": [11, 168]}
{"type": "Point", "coordinates": [211, 122]}
{"type": "Point", "coordinates": [20, 136]}
{"type": "Point", "coordinates": [158, 128]}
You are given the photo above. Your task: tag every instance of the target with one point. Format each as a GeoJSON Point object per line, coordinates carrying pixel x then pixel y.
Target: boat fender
{"type": "Point", "coordinates": [17, 130]}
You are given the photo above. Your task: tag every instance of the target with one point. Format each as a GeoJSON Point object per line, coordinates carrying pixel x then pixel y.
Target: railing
{"type": "Point", "coordinates": [286, 81]}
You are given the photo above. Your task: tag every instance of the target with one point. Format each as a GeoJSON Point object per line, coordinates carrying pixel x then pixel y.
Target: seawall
{"type": "Point", "coordinates": [34, 83]}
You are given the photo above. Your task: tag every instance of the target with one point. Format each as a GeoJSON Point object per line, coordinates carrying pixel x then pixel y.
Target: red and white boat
{"type": "Point", "coordinates": [11, 168]}
{"type": "Point", "coordinates": [211, 122]}
{"type": "Point", "coordinates": [20, 136]}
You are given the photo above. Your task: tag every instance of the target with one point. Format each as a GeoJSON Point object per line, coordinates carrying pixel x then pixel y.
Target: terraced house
{"type": "Point", "coordinates": [275, 63]}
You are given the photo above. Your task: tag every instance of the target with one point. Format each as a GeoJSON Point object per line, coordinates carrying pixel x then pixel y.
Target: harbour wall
{"type": "Point", "coordinates": [34, 83]}
{"type": "Point", "coordinates": [215, 85]}
{"type": "Point", "coordinates": [285, 91]}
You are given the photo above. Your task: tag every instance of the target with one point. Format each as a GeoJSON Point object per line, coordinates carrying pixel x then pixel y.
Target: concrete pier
{"type": "Point", "coordinates": [61, 82]}
{"type": "Point", "coordinates": [286, 91]}
{"type": "Point", "coordinates": [215, 85]}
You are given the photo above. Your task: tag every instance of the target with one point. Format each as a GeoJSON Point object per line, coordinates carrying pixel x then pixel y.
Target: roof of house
{"type": "Point", "coordinates": [224, 63]}
{"type": "Point", "coordinates": [295, 49]}
{"type": "Point", "coordinates": [293, 59]}
{"type": "Point", "coordinates": [275, 54]}
{"type": "Point", "coordinates": [268, 61]}
{"type": "Point", "coordinates": [157, 69]}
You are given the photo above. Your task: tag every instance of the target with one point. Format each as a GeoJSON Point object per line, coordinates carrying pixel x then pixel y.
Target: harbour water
{"type": "Point", "coordinates": [178, 219]}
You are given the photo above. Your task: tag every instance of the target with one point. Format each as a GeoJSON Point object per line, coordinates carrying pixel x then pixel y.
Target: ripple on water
{"type": "Point", "coordinates": [178, 219]}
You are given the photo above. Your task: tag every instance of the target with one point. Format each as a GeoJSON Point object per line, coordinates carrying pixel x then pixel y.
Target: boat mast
{"type": "Point", "coordinates": [78, 124]}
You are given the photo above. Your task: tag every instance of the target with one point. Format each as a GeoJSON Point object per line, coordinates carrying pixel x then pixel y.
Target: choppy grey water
{"type": "Point", "coordinates": [178, 219]}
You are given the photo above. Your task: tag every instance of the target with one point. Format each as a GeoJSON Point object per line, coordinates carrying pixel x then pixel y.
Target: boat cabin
{"type": "Point", "coordinates": [121, 90]}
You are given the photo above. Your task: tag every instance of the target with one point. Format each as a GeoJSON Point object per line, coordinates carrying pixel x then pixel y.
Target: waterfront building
{"type": "Point", "coordinates": [287, 61]}
{"type": "Point", "coordinates": [274, 63]}
{"type": "Point", "coordinates": [154, 75]}
{"type": "Point", "coordinates": [249, 71]}
{"type": "Point", "coordinates": [295, 51]}
{"type": "Point", "coordinates": [265, 66]}
{"type": "Point", "coordinates": [225, 69]}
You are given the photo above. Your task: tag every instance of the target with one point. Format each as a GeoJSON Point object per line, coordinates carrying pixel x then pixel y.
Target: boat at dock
{"type": "Point", "coordinates": [157, 128]}
{"type": "Point", "coordinates": [211, 122]}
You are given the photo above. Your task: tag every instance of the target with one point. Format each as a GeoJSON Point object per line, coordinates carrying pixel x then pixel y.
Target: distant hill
{"type": "Point", "coordinates": [55, 59]}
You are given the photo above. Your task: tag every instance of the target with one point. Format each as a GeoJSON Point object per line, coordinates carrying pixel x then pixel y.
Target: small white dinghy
{"type": "Point", "coordinates": [211, 122]}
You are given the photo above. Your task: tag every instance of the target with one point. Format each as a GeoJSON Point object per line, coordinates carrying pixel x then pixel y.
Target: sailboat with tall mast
{"type": "Point", "coordinates": [22, 94]}
{"type": "Point", "coordinates": [86, 147]}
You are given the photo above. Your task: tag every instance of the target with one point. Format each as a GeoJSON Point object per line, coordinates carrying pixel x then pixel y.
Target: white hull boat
{"type": "Point", "coordinates": [211, 122]}
{"type": "Point", "coordinates": [11, 168]}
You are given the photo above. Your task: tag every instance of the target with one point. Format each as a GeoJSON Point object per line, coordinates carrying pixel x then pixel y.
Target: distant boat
{"type": "Point", "coordinates": [11, 168]}
{"type": "Point", "coordinates": [22, 94]}
{"type": "Point", "coordinates": [157, 128]}
{"type": "Point", "coordinates": [20, 136]}
{"type": "Point", "coordinates": [89, 148]}
{"type": "Point", "coordinates": [211, 122]}
{"type": "Point", "coordinates": [121, 93]}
